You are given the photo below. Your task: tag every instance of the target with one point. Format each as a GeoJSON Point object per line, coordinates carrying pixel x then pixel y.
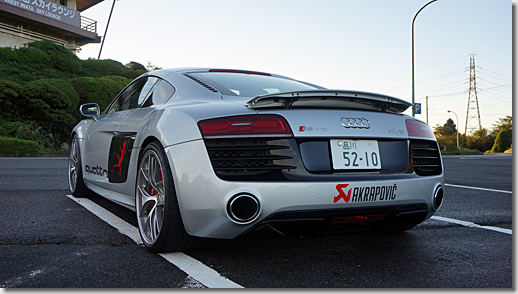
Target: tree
{"type": "Point", "coordinates": [502, 142]}
{"type": "Point", "coordinates": [446, 135]}
{"type": "Point", "coordinates": [504, 124]}
{"type": "Point", "coordinates": [151, 67]}
{"type": "Point", "coordinates": [135, 65]}
{"type": "Point", "coordinates": [448, 129]}
{"type": "Point", "coordinates": [481, 140]}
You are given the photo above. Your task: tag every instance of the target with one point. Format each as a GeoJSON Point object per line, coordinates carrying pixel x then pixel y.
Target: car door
{"type": "Point", "coordinates": [101, 134]}
{"type": "Point", "coordinates": [154, 93]}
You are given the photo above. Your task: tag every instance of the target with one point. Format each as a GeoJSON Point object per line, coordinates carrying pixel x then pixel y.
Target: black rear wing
{"type": "Point", "coordinates": [339, 99]}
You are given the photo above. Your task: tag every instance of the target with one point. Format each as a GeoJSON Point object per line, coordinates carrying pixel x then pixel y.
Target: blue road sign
{"type": "Point", "coordinates": [417, 108]}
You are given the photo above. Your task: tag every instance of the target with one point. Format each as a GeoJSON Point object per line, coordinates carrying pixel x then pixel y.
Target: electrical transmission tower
{"type": "Point", "coordinates": [472, 98]}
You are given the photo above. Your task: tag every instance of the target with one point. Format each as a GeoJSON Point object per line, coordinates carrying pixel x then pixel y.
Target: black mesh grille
{"type": "Point", "coordinates": [245, 157]}
{"type": "Point", "coordinates": [426, 158]}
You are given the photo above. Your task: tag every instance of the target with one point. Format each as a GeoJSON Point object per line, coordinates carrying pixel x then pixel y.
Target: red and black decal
{"type": "Point", "coordinates": [365, 194]}
{"type": "Point", "coordinates": [120, 153]}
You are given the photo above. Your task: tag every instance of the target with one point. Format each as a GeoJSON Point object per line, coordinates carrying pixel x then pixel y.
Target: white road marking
{"type": "Point", "coordinates": [192, 267]}
{"type": "Point", "coordinates": [123, 227]}
{"type": "Point", "coordinates": [477, 188]}
{"type": "Point", "coordinates": [204, 274]}
{"type": "Point", "coordinates": [472, 225]}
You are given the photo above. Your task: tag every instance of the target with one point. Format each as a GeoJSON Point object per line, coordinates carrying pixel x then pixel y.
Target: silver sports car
{"type": "Point", "coordinates": [214, 153]}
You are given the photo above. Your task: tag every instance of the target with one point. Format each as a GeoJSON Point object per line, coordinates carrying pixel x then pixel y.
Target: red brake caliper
{"type": "Point", "coordinates": [153, 192]}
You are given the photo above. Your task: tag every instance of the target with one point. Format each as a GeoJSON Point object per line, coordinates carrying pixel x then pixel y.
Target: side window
{"type": "Point", "coordinates": [161, 93]}
{"type": "Point", "coordinates": [134, 95]}
{"type": "Point", "coordinates": [115, 105]}
{"type": "Point", "coordinates": [148, 88]}
{"type": "Point", "coordinates": [131, 94]}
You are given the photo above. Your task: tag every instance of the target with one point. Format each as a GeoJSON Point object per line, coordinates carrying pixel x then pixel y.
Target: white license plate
{"type": "Point", "coordinates": [355, 154]}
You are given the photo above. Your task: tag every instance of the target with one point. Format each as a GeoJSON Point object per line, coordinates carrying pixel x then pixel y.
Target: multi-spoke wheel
{"type": "Point", "coordinates": [75, 173]}
{"type": "Point", "coordinates": [160, 224]}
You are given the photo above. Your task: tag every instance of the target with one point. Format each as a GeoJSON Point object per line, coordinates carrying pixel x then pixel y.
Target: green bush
{"type": "Point", "coordinates": [17, 146]}
{"type": "Point", "coordinates": [8, 129]}
{"type": "Point", "coordinates": [60, 57]}
{"type": "Point", "coordinates": [108, 67]}
{"type": "Point", "coordinates": [33, 55]}
{"type": "Point", "coordinates": [32, 132]}
{"type": "Point", "coordinates": [52, 104]}
{"type": "Point", "coordinates": [502, 142]}
{"type": "Point", "coordinates": [481, 140]}
{"type": "Point", "coordinates": [9, 102]}
{"type": "Point", "coordinates": [8, 54]}
{"type": "Point", "coordinates": [449, 146]}
{"type": "Point", "coordinates": [42, 86]}
{"type": "Point", "coordinates": [98, 90]}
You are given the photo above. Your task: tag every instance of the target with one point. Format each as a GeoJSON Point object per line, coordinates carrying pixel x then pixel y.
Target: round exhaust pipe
{"type": "Point", "coordinates": [437, 197]}
{"type": "Point", "coordinates": [243, 208]}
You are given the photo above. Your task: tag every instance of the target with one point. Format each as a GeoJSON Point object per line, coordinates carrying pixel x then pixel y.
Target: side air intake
{"type": "Point", "coordinates": [425, 156]}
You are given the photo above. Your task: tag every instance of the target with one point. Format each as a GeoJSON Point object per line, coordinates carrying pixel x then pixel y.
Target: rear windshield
{"type": "Point", "coordinates": [251, 85]}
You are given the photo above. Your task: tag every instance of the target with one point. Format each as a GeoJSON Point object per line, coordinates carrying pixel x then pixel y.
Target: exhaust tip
{"type": "Point", "coordinates": [437, 197]}
{"type": "Point", "coordinates": [243, 208]}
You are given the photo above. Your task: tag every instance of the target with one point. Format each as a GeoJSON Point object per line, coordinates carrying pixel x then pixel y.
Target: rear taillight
{"type": "Point", "coordinates": [245, 126]}
{"type": "Point", "coordinates": [417, 129]}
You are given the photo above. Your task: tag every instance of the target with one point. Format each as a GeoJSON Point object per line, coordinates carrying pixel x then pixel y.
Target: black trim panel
{"type": "Point", "coordinates": [119, 158]}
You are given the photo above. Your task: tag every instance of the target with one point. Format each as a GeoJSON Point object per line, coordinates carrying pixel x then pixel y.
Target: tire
{"type": "Point", "coordinates": [75, 172]}
{"type": "Point", "coordinates": [159, 220]}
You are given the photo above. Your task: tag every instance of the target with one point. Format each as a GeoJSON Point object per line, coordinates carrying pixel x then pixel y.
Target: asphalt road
{"type": "Point", "coordinates": [48, 240]}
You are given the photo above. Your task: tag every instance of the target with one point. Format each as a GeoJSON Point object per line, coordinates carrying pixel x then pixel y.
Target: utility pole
{"type": "Point", "coordinates": [426, 109]}
{"type": "Point", "coordinates": [106, 31]}
{"type": "Point", "coordinates": [472, 97]}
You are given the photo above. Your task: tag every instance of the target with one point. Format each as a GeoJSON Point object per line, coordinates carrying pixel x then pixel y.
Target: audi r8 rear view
{"type": "Point", "coordinates": [214, 153]}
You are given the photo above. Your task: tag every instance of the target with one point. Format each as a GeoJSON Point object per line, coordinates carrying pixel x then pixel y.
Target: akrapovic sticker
{"type": "Point", "coordinates": [365, 193]}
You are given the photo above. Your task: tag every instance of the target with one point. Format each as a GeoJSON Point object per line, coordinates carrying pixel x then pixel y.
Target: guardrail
{"type": "Point", "coordinates": [88, 24]}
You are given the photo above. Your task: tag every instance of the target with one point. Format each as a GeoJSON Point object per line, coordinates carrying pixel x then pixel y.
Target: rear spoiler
{"type": "Point", "coordinates": [330, 99]}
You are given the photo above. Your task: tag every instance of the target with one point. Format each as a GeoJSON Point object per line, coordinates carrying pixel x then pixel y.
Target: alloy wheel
{"type": "Point", "coordinates": [73, 165]}
{"type": "Point", "coordinates": [150, 202]}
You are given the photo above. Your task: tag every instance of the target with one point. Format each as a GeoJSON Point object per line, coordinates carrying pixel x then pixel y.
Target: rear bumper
{"type": "Point", "coordinates": [203, 197]}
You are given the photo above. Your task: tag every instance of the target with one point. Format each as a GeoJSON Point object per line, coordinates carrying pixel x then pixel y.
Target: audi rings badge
{"type": "Point", "coordinates": [355, 123]}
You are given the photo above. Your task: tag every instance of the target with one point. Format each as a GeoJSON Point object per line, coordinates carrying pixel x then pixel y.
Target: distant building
{"type": "Point", "coordinates": [59, 21]}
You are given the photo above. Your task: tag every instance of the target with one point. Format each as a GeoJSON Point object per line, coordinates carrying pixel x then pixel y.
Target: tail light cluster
{"type": "Point", "coordinates": [245, 126]}
{"type": "Point", "coordinates": [417, 129]}
{"type": "Point", "coordinates": [247, 147]}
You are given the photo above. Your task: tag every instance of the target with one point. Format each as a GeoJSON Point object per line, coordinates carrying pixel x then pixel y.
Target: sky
{"type": "Point", "coordinates": [338, 44]}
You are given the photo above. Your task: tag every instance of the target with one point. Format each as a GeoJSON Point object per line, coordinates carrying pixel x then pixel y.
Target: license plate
{"type": "Point", "coordinates": [355, 154]}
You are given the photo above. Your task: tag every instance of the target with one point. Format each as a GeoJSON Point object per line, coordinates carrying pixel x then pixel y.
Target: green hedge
{"type": "Point", "coordinates": [98, 90]}
{"type": "Point", "coordinates": [9, 93]}
{"type": "Point", "coordinates": [46, 60]}
{"type": "Point", "coordinates": [42, 86]}
{"type": "Point", "coordinates": [17, 146]}
{"type": "Point", "coordinates": [108, 67]}
{"type": "Point", "coordinates": [53, 104]}
{"type": "Point", "coordinates": [59, 57]}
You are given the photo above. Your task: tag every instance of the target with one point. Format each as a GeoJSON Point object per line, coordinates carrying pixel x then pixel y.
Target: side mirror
{"type": "Point", "coordinates": [90, 110]}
